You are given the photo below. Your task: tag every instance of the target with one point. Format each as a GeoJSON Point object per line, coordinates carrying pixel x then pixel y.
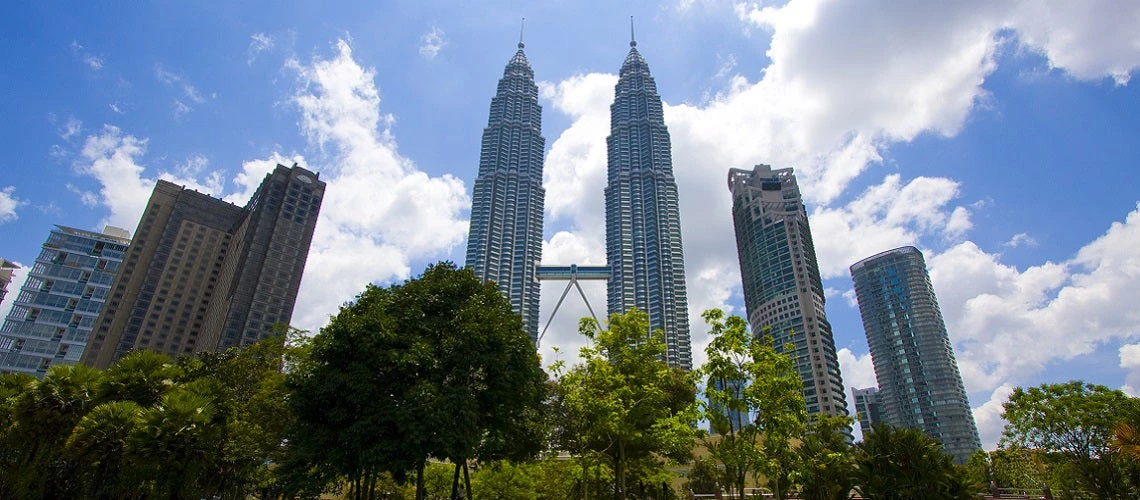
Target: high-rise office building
{"type": "Point", "coordinates": [919, 382]}
{"type": "Point", "coordinates": [643, 221]}
{"type": "Point", "coordinates": [505, 242]}
{"type": "Point", "coordinates": [52, 316]}
{"type": "Point", "coordinates": [782, 286]}
{"type": "Point", "coordinates": [867, 407]}
{"type": "Point", "coordinates": [203, 274]}
{"type": "Point", "coordinates": [7, 268]}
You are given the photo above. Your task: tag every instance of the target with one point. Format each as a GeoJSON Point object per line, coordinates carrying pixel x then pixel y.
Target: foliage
{"type": "Point", "coordinates": [1072, 424]}
{"type": "Point", "coordinates": [781, 412]}
{"type": "Point", "coordinates": [624, 402]}
{"type": "Point", "coordinates": [903, 463]}
{"type": "Point", "coordinates": [826, 467]}
{"type": "Point", "coordinates": [702, 477]}
{"type": "Point", "coordinates": [438, 367]}
{"type": "Point", "coordinates": [146, 427]}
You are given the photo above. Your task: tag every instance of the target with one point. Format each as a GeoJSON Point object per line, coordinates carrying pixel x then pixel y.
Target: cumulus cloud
{"type": "Point", "coordinates": [380, 211]}
{"type": "Point", "coordinates": [111, 157]}
{"type": "Point", "coordinates": [8, 204]}
{"type": "Point", "coordinates": [258, 43]}
{"type": "Point", "coordinates": [70, 129]}
{"type": "Point", "coordinates": [1019, 240]}
{"type": "Point", "coordinates": [432, 42]}
{"type": "Point", "coordinates": [1009, 324]}
{"type": "Point", "coordinates": [987, 416]}
{"type": "Point", "coordinates": [1130, 360]}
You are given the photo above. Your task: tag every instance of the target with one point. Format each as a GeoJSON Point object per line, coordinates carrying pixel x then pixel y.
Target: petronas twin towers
{"type": "Point", "coordinates": [643, 224]}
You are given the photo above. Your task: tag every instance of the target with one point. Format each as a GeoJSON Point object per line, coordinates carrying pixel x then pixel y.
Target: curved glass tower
{"type": "Point", "coordinates": [919, 382]}
{"type": "Point", "coordinates": [643, 223]}
{"type": "Point", "coordinates": [505, 242]}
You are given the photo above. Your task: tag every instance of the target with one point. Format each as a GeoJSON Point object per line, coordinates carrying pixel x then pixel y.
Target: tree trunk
{"type": "Point", "coordinates": [467, 480]}
{"type": "Point", "coordinates": [619, 469]}
{"type": "Point", "coordinates": [421, 492]}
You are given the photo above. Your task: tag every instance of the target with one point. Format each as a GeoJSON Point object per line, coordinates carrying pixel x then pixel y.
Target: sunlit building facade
{"type": "Point", "coordinates": [783, 292]}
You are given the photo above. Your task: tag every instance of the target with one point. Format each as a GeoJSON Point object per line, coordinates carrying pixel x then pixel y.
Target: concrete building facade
{"type": "Point", "coordinates": [783, 292]}
{"type": "Point", "coordinates": [643, 220]}
{"type": "Point", "coordinates": [504, 244]}
{"type": "Point", "coordinates": [53, 314]}
{"type": "Point", "coordinates": [867, 407]}
{"type": "Point", "coordinates": [7, 268]}
{"type": "Point", "coordinates": [204, 275]}
{"type": "Point", "coordinates": [919, 382]}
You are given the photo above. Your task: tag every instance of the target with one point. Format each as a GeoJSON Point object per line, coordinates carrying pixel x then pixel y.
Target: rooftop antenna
{"type": "Point", "coordinates": [521, 28]}
{"type": "Point", "coordinates": [632, 40]}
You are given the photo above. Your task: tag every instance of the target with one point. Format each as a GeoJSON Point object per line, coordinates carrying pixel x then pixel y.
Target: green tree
{"type": "Point", "coordinates": [98, 443]}
{"type": "Point", "coordinates": [625, 402]}
{"type": "Point", "coordinates": [902, 463]}
{"type": "Point", "coordinates": [1073, 422]}
{"type": "Point", "coordinates": [826, 467]}
{"type": "Point", "coordinates": [729, 369]}
{"type": "Point", "coordinates": [777, 391]}
{"type": "Point", "coordinates": [438, 366]}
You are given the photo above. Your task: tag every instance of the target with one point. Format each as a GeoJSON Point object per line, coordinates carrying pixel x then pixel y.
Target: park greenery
{"type": "Point", "coordinates": [432, 389]}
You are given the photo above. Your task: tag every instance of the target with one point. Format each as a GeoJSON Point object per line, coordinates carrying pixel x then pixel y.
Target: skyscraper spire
{"type": "Point", "coordinates": [643, 226]}
{"type": "Point", "coordinates": [632, 39]}
{"type": "Point", "coordinates": [505, 242]}
{"type": "Point", "coordinates": [521, 28]}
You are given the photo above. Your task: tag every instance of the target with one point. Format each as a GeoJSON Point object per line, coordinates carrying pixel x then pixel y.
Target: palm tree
{"type": "Point", "coordinates": [98, 442]}
{"type": "Point", "coordinates": [174, 442]}
{"type": "Point", "coordinates": [900, 463]}
{"type": "Point", "coordinates": [141, 376]}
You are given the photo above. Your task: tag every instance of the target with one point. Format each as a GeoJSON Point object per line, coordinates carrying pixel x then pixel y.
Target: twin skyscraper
{"type": "Point", "coordinates": [643, 222]}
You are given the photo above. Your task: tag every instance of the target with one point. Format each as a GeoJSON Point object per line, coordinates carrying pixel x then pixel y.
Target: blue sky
{"type": "Point", "coordinates": [999, 137]}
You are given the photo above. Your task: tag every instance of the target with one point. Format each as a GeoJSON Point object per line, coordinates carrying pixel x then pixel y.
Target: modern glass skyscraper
{"type": "Point", "coordinates": [919, 382]}
{"type": "Point", "coordinates": [54, 313]}
{"type": "Point", "coordinates": [643, 222]}
{"type": "Point", "coordinates": [782, 286]}
{"type": "Point", "coordinates": [505, 241]}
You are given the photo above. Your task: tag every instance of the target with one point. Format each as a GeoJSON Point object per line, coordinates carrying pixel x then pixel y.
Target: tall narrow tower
{"type": "Point", "coordinates": [782, 287]}
{"type": "Point", "coordinates": [643, 223]}
{"type": "Point", "coordinates": [505, 242]}
{"type": "Point", "coordinates": [919, 382]}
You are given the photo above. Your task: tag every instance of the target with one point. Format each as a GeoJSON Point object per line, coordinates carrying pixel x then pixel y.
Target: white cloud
{"type": "Point", "coordinates": [858, 371]}
{"type": "Point", "coordinates": [92, 61]}
{"type": "Point", "coordinates": [432, 42]}
{"type": "Point", "coordinates": [8, 204]}
{"type": "Point", "coordinates": [1130, 360]}
{"type": "Point", "coordinates": [19, 277]}
{"type": "Point", "coordinates": [111, 157]}
{"type": "Point", "coordinates": [1009, 324]}
{"type": "Point", "coordinates": [189, 175]}
{"type": "Point", "coordinates": [71, 128]}
{"type": "Point", "coordinates": [987, 416]}
{"type": "Point", "coordinates": [1020, 239]}
{"type": "Point", "coordinates": [254, 171]}
{"type": "Point", "coordinates": [190, 95]}
{"type": "Point", "coordinates": [115, 107]}
{"type": "Point", "coordinates": [258, 43]}
{"type": "Point", "coordinates": [380, 211]}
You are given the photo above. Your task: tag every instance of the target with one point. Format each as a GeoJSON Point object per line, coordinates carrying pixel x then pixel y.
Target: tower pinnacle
{"type": "Point", "coordinates": [632, 40]}
{"type": "Point", "coordinates": [521, 28]}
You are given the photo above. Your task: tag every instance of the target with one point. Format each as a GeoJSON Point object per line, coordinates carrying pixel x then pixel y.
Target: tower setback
{"type": "Point", "coordinates": [504, 245]}
{"type": "Point", "coordinates": [643, 222]}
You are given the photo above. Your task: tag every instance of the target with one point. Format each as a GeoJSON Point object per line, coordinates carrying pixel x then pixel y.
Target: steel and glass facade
{"type": "Point", "coordinates": [783, 292]}
{"type": "Point", "coordinates": [867, 408]}
{"type": "Point", "coordinates": [919, 382]}
{"type": "Point", "coordinates": [52, 316]}
{"type": "Point", "coordinates": [504, 245]}
{"type": "Point", "coordinates": [643, 221]}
